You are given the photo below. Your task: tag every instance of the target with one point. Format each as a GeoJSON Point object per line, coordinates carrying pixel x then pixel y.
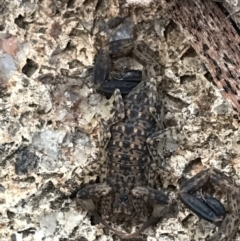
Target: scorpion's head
{"type": "Point", "coordinates": [123, 205]}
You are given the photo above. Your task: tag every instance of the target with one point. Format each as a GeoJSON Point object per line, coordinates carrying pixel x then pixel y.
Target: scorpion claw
{"type": "Point", "coordinates": [209, 209]}
{"type": "Point", "coordinates": [102, 68]}
{"type": "Point", "coordinates": [127, 80]}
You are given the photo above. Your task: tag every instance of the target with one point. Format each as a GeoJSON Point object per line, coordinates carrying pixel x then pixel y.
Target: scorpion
{"type": "Point", "coordinates": [129, 161]}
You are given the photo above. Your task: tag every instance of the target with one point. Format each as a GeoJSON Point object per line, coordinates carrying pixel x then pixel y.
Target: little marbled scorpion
{"type": "Point", "coordinates": [128, 161]}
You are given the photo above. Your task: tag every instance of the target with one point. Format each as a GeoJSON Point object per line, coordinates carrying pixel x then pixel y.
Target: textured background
{"type": "Point", "coordinates": [47, 104]}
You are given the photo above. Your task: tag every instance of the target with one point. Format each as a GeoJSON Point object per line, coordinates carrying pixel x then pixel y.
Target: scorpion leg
{"type": "Point", "coordinates": [154, 102]}
{"type": "Point", "coordinates": [229, 222]}
{"type": "Point", "coordinates": [93, 191]}
{"type": "Point", "coordinates": [90, 192]}
{"type": "Point", "coordinates": [96, 191]}
{"type": "Point", "coordinates": [140, 207]}
{"type": "Point", "coordinates": [144, 54]}
{"type": "Point", "coordinates": [105, 135]}
{"type": "Point", "coordinates": [161, 135]}
{"type": "Point", "coordinates": [101, 141]}
{"type": "Point", "coordinates": [119, 112]}
{"type": "Point", "coordinates": [120, 47]}
{"type": "Point", "coordinates": [157, 157]}
{"type": "Point", "coordinates": [116, 116]}
{"type": "Point", "coordinates": [151, 195]}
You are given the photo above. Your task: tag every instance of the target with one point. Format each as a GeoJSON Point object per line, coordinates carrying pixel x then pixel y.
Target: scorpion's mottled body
{"type": "Point", "coordinates": [127, 150]}
{"type": "Point", "coordinates": [128, 161]}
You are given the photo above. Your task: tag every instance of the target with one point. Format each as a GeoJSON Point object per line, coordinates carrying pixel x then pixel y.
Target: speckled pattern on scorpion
{"type": "Point", "coordinates": [129, 162]}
